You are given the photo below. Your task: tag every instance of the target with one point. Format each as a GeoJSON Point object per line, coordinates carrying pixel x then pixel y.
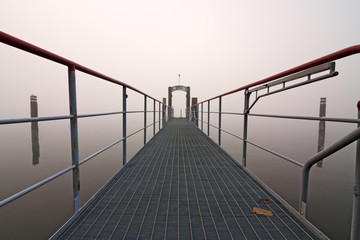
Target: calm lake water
{"type": "Point", "coordinates": [39, 214]}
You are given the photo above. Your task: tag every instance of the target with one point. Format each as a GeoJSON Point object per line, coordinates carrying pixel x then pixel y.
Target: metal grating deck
{"type": "Point", "coordinates": [181, 185]}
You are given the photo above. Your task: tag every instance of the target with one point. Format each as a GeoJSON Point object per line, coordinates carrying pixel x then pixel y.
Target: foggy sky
{"type": "Point", "coordinates": [216, 46]}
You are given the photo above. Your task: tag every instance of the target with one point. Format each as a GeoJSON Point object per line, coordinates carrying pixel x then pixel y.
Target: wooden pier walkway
{"type": "Point", "coordinates": [181, 185]}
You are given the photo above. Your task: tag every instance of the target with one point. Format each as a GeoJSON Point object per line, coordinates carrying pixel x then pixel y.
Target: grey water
{"type": "Point", "coordinates": [40, 213]}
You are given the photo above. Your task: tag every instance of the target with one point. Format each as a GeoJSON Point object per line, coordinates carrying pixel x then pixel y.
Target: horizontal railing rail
{"type": "Point", "coordinates": [325, 59]}
{"type": "Point", "coordinates": [326, 119]}
{"type": "Point", "coordinates": [345, 141]}
{"type": "Point", "coordinates": [283, 79]}
{"type": "Point", "coordinates": [260, 147]}
{"type": "Point", "coordinates": [73, 116]}
{"type": "Point", "coordinates": [28, 47]}
{"type": "Point", "coordinates": [116, 142]}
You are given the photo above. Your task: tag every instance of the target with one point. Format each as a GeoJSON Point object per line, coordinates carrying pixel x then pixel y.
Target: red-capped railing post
{"type": "Point", "coordinates": [219, 133]}
{"type": "Point", "coordinates": [145, 113]}
{"type": "Point", "coordinates": [195, 111]}
{"type": "Point", "coordinates": [202, 116]}
{"type": "Point", "coordinates": [74, 139]}
{"type": "Point", "coordinates": [245, 132]}
{"type": "Point", "coordinates": [208, 125]}
{"type": "Point", "coordinates": [164, 112]}
{"type": "Point", "coordinates": [124, 125]}
{"type": "Point", "coordinates": [154, 108]}
{"type": "Point", "coordinates": [355, 228]}
{"type": "Point", "coordinates": [190, 113]}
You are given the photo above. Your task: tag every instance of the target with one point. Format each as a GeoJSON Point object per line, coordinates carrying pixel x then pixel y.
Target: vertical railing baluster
{"type": "Point", "coordinates": [355, 228]}
{"type": "Point", "coordinates": [202, 116]}
{"type": "Point", "coordinates": [208, 125]}
{"type": "Point", "coordinates": [164, 112]}
{"type": "Point", "coordinates": [159, 116]}
{"type": "Point", "coordinates": [197, 114]}
{"type": "Point", "coordinates": [219, 135]}
{"type": "Point", "coordinates": [145, 112]}
{"type": "Point", "coordinates": [154, 119]}
{"type": "Point", "coordinates": [191, 115]}
{"type": "Point", "coordinates": [246, 112]}
{"type": "Point", "coordinates": [124, 125]}
{"type": "Point", "coordinates": [74, 139]}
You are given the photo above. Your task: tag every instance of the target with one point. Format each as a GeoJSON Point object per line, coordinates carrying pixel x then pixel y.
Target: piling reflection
{"type": "Point", "coordinates": [35, 143]}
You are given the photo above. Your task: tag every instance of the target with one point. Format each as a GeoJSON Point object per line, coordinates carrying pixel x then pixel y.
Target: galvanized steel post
{"type": "Point", "coordinates": [159, 116]}
{"type": "Point", "coordinates": [192, 109]}
{"type": "Point", "coordinates": [355, 233]}
{"type": "Point", "coordinates": [246, 112]}
{"type": "Point", "coordinates": [154, 118]}
{"type": "Point", "coordinates": [74, 139]}
{"type": "Point", "coordinates": [124, 125]}
{"type": "Point", "coordinates": [164, 112]}
{"type": "Point", "coordinates": [145, 112]}
{"type": "Point", "coordinates": [219, 134]}
{"type": "Point", "coordinates": [202, 116]}
{"type": "Point", "coordinates": [170, 102]}
{"type": "Point", "coordinates": [189, 113]}
{"type": "Point", "coordinates": [348, 139]}
{"type": "Point", "coordinates": [197, 114]}
{"type": "Point", "coordinates": [189, 109]}
{"type": "Point", "coordinates": [208, 126]}
{"type": "Point", "coordinates": [195, 111]}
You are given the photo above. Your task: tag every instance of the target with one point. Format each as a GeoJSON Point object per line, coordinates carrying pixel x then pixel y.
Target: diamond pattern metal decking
{"type": "Point", "coordinates": [183, 186]}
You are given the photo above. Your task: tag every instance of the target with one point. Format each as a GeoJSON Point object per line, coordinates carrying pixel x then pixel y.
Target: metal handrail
{"type": "Point", "coordinates": [72, 67]}
{"type": "Point", "coordinates": [114, 143]}
{"type": "Point", "coordinates": [345, 141]}
{"type": "Point", "coordinates": [342, 120]}
{"type": "Point", "coordinates": [259, 146]}
{"type": "Point", "coordinates": [28, 47]}
{"type": "Point", "coordinates": [328, 58]}
{"type": "Point", "coordinates": [35, 186]}
{"type": "Point", "coordinates": [38, 119]}
{"type": "Point", "coordinates": [326, 119]}
{"type": "Point", "coordinates": [300, 71]}
{"type": "Point", "coordinates": [62, 172]}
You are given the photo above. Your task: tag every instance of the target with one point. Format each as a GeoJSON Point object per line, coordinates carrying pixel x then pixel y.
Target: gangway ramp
{"type": "Point", "coordinates": [182, 185]}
